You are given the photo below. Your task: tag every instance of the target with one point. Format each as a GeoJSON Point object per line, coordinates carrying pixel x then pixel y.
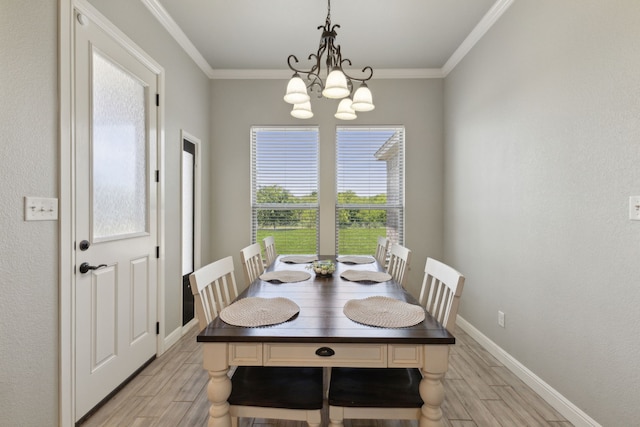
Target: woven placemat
{"type": "Point", "coordinates": [365, 276]}
{"type": "Point", "coordinates": [354, 259]}
{"type": "Point", "coordinates": [285, 276]}
{"type": "Point", "coordinates": [298, 259]}
{"type": "Point", "coordinates": [383, 312]}
{"type": "Point", "coordinates": [256, 311]}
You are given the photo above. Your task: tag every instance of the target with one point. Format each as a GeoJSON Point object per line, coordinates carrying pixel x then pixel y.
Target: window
{"type": "Point", "coordinates": [284, 187]}
{"type": "Point", "coordinates": [370, 187]}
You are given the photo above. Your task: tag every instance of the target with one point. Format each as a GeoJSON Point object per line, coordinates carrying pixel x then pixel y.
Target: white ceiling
{"type": "Point", "coordinates": [231, 35]}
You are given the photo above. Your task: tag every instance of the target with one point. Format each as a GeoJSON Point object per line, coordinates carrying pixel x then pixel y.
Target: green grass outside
{"type": "Point", "coordinates": [354, 241]}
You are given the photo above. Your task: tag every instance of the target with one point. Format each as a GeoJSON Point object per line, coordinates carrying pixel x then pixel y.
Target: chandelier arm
{"type": "Point", "coordinates": [312, 74]}
{"type": "Point", "coordinates": [298, 70]}
{"type": "Point", "coordinates": [364, 70]}
{"type": "Point", "coordinates": [314, 79]}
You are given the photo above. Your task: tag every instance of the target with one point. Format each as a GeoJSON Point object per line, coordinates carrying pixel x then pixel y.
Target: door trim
{"type": "Point", "coordinates": [67, 315]}
{"type": "Point", "coordinates": [197, 202]}
{"type": "Point", "coordinates": [197, 208]}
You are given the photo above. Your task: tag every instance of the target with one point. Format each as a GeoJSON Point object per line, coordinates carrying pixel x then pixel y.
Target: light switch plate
{"type": "Point", "coordinates": [40, 209]}
{"type": "Point", "coordinates": [634, 208]}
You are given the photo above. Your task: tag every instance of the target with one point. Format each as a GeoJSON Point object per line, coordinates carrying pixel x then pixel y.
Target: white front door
{"type": "Point", "coordinates": [115, 214]}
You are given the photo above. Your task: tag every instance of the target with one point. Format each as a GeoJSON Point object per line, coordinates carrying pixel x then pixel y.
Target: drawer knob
{"type": "Point", "coordinates": [325, 352]}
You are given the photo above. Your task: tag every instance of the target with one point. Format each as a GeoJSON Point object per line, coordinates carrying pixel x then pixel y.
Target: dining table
{"type": "Point", "coordinates": [320, 334]}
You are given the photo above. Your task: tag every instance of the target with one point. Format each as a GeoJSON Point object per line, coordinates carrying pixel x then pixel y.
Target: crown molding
{"type": "Point", "coordinates": [485, 24]}
{"type": "Point", "coordinates": [411, 73]}
{"type": "Point", "coordinates": [487, 21]}
{"type": "Point", "coordinates": [219, 74]}
{"type": "Point", "coordinates": [176, 32]}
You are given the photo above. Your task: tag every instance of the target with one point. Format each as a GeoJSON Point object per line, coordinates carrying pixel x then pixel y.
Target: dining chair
{"type": "Point", "coordinates": [287, 393]}
{"type": "Point", "coordinates": [399, 260]}
{"type": "Point", "coordinates": [381, 251]}
{"type": "Point", "coordinates": [252, 263]}
{"type": "Point", "coordinates": [394, 393]}
{"type": "Point", "coordinates": [270, 249]}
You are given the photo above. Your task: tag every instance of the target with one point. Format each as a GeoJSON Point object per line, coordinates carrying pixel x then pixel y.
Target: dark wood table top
{"type": "Point", "coordinates": [321, 319]}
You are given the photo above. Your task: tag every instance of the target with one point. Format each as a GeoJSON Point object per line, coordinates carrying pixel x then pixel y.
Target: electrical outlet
{"type": "Point", "coordinates": [500, 318]}
{"type": "Point", "coordinates": [634, 208]}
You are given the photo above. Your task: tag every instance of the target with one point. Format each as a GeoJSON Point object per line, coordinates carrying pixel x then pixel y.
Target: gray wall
{"type": "Point", "coordinates": [239, 104]}
{"type": "Point", "coordinates": [29, 306]}
{"type": "Point", "coordinates": [542, 130]}
{"type": "Point", "coordinates": [28, 250]}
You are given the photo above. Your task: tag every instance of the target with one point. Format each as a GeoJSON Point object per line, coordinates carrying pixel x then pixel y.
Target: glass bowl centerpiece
{"type": "Point", "coordinates": [322, 268]}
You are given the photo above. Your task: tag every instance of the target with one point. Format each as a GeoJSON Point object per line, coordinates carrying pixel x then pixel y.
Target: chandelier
{"type": "Point", "coordinates": [337, 85]}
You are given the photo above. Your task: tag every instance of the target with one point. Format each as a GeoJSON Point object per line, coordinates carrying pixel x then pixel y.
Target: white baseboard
{"type": "Point", "coordinates": [177, 333]}
{"type": "Point", "coordinates": [186, 328]}
{"type": "Point", "coordinates": [560, 403]}
{"type": "Point", "coordinates": [172, 338]}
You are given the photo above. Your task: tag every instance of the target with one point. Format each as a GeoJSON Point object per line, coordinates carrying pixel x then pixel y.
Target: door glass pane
{"type": "Point", "coordinates": [119, 164]}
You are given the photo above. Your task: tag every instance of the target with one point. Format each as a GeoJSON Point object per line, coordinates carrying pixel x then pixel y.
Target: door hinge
{"type": "Point", "coordinates": [157, 175]}
{"type": "Point", "coordinates": [158, 252]}
{"type": "Point", "coordinates": [157, 99]}
{"type": "Point", "coordinates": [157, 328]}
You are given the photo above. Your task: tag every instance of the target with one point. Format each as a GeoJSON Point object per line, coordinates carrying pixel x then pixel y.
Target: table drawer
{"type": "Point", "coordinates": [245, 353]}
{"type": "Point", "coordinates": [405, 356]}
{"type": "Point", "coordinates": [332, 354]}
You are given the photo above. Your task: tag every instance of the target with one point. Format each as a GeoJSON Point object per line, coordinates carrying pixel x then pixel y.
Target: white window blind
{"type": "Point", "coordinates": [369, 187]}
{"type": "Point", "coordinates": [284, 187]}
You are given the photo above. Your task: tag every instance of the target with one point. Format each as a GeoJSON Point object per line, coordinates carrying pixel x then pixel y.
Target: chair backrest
{"type": "Point", "coordinates": [252, 262]}
{"type": "Point", "coordinates": [213, 287]}
{"type": "Point", "coordinates": [381, 250]}
{"type": "Point", "coordinates": [270, 249]}
{"type": "Point", "coordinates": [441, 291]}
{"type": "Point", "coordinates": [399, 260]}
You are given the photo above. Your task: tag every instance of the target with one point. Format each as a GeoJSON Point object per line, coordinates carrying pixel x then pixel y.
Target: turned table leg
{"type": "Point", "coordinates": [219, 387]}
{"type": "Point", "coordinates": [431, 388]}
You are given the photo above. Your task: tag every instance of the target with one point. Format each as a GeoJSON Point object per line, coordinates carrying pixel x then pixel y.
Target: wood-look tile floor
{"type": "Point", "coordinates": [479, 392]}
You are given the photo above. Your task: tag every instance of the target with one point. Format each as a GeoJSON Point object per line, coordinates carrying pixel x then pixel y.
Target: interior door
{"type": "Point", "coordinates": [115, 217]}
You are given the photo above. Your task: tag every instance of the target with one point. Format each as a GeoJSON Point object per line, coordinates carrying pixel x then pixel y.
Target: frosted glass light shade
{"type": "Point", "coordinates": [345, 112]}
{"type": "Point", "coordinates": [336, 85]}
{"type": "Point", "coordinates": [296, 91]}
{"type": "Point", "coordinates": [302, 111]}
{"type": "Point", "coordinates": [362, 99]}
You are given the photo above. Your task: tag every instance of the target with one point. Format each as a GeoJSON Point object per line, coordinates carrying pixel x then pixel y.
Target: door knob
{"type": "Point", "coordinates": [85, 267]}
{"type": "Point", "coordinates": [84, 245]}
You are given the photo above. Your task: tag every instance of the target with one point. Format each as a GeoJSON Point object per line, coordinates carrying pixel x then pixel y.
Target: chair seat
{"type": "Point", "coordinates": [276, 387]}
{"type": "Point", "coordinates": [375, 388]}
